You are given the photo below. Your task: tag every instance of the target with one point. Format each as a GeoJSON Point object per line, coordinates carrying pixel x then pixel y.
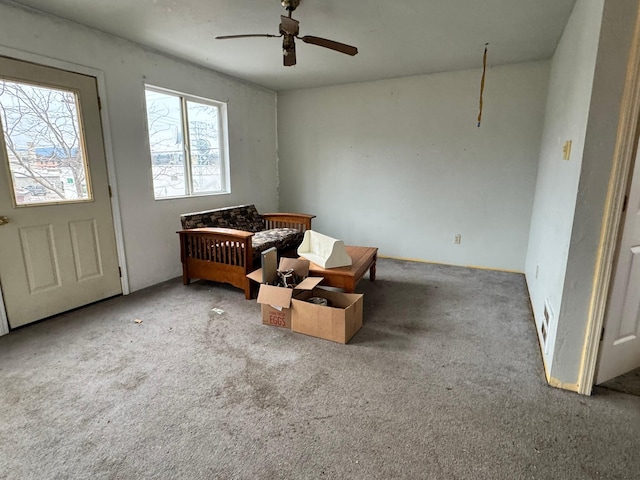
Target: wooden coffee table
{"type": "Point", "coordinates": [363, 258]}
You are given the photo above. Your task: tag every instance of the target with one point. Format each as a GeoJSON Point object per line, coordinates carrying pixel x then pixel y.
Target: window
{"type": "Point", "coordinates": [187, 139]}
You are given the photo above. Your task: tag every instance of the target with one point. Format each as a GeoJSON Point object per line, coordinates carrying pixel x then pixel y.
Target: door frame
{"type": "Point", "coordinates": [108, 150]}
{"type": "Point", "coordinates": [4, 322]}
{"type": "Point", "coordinates": [613, 215]}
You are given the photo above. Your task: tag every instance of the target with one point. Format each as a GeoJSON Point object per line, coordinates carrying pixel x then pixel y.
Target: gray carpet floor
{"type": "Point", "coordinates": [443, 381]}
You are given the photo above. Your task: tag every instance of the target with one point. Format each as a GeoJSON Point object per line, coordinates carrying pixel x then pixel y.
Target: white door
{"type": "Point", "coordinates": [620, 346]}
{"type": "Point", "coordinates": [57, 240]}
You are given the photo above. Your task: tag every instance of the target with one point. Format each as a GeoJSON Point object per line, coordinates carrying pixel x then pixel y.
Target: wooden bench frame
{"type": "Point", "coordinates": [226, 255]}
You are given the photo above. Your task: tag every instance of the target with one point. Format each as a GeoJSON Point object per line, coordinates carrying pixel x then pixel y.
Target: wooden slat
{"type": "Point", "coordinates": [299, 221]}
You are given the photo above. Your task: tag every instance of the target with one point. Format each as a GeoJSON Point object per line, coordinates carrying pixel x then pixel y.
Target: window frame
{"type": "Point", "coordinates": [5, 156]}
{"type": "Point", "coordinates": [223, 143]}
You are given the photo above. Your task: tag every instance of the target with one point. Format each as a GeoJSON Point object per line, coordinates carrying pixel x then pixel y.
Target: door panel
{"type": "Point", "coordinates": [86, 249]}
{"type": "Point", "coordinates": [58, 250]}
{"type": "Point", "coordinates": [40, 260]}
{"type": "Point", "coordinates": [629, 321]}
{"type": "Point", "coordinates": [620, 345]}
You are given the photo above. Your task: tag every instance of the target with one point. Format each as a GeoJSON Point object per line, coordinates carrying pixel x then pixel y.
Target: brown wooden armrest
{"type": "Point", "coordinates": [228, 232]}
{"type": "Point", "coordinates": [217, 254]}
{"type": "Point", "coordinates": [300, 221]}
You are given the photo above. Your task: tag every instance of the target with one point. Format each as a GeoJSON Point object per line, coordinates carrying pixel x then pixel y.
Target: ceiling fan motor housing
{"type": "Point", "coordinates": [289, 26]}
{"type": "Point", "coordinates": [290, 5]}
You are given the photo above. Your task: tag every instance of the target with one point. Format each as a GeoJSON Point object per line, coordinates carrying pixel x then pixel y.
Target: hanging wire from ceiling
{"type": "Point", "coordinates": [484, 74]}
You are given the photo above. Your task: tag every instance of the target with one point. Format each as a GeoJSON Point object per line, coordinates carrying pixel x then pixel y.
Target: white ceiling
{"type": "Point", "coordinates": [394, 38]}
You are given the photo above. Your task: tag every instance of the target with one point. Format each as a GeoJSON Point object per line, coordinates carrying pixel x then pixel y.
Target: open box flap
{"type": "Point", "coordinates": [309, 283]}
{"type": "Point", "coordinates": [299, 265]}
{"type": "Point", "coordinates": [280, 296]}
{"type": "Point", "coordinates": [276, 296]}
{"type": "Point", "coordinates": [256, 276]}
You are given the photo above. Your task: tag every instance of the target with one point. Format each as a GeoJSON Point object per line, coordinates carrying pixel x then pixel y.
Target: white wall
{"type": "Point", "coordinates": [615, 40]}
{"type": "Point", "coordinates": [400, 164]}
{"type": "Point", "coordinates": [585, 91]}
{"type": "Point", "coordinates": [567, 112]}
{"type": "Point", "coordinates": [152, 246]}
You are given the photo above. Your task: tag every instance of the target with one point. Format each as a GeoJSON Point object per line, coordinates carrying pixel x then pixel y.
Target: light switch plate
{"type": "Point", "coordinates": [566, 150]}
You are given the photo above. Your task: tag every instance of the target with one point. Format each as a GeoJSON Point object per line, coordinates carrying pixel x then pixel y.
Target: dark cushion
{"type": "Point", "coordinates": [281, 238]}
{"type": "Point", "coordinates": [242, 217]}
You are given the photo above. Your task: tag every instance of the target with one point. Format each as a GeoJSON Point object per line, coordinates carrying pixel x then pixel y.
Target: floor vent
{"type": "Point", "coordinates": [546, 321]}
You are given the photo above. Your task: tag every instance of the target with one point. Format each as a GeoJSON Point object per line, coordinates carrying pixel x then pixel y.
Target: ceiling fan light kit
{"type": "Point", "coordinates": [289, 29]}
{"type": "Point", "coordinates": [290, 5]}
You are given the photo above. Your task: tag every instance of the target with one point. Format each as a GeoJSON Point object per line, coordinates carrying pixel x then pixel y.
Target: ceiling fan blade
{"type": "Point", "coordinates": [330, 44]}
{"type": "Point", "coordinates": [288, 51]}
{"type": "Point", "coordinates": [224, 37]}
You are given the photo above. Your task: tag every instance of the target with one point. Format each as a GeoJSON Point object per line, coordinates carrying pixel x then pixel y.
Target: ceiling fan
{"type": "Point", "coordinates": [289, 29]}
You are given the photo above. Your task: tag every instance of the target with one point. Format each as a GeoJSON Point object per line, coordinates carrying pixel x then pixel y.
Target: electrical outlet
{"type": "Point", "coordinates": [457, 239]}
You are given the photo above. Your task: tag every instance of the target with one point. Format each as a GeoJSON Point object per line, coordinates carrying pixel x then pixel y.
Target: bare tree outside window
{"type": "Point", "coordinates": [187, 157]}
{"type": "Point", "coordinates": [43, 143]}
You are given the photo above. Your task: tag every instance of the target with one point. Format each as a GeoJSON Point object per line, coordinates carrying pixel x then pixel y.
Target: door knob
{"type": "Point", "coordinates": [4, 220]}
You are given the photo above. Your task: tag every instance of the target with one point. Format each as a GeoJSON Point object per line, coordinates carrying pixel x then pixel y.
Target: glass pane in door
{"type": "Point", "coordinates": [44, 144]}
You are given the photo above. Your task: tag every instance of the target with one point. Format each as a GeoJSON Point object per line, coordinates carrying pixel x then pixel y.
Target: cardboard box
{"type": "Point", "coordinates": [337, 322]}
{"type": "Point", "coordinates": [276, 301]}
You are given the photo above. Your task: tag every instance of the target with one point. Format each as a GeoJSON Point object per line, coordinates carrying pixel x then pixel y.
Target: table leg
{"type": "Point", "coordinates": [350, 286]}
{"type": "Point", "coordinates": [372, 270]}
